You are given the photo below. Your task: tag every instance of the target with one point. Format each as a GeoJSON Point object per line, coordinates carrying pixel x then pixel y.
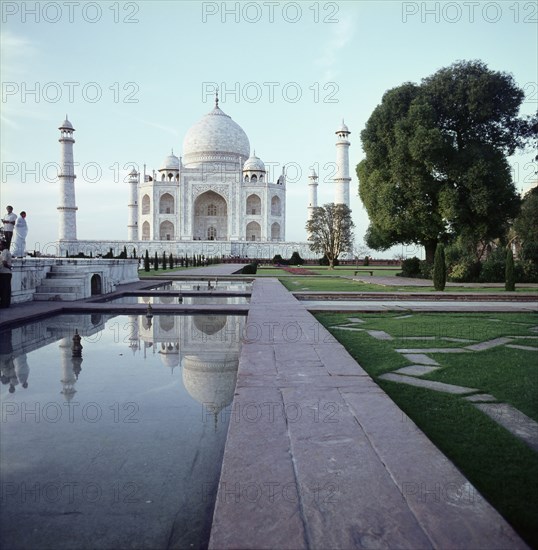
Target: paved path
{"type": "Point", "coordinates": [318, 456]}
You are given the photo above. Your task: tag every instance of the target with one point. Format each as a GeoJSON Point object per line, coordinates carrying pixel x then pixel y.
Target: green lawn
{"type": "Point", "coordinates": [328, 284]}
{"type": "Point", "coordinates": [501, 466]}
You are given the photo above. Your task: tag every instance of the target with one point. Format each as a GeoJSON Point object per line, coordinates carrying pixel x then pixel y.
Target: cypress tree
{"type": "Point", "coordinates": [146, 261]}
{"type": "Point", "coordinates": [171, 260]}
{"type": "Point", "coordinates": [164, 260]}
{"type": "Point", "coordinates": [439, 268]}
{"type": "Point", "coordinates": [156, 262]}
{"type": "Point", "coordinates": [510, 276]}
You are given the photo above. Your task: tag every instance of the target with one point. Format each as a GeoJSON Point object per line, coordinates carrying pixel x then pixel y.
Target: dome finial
{"type": "Point", "coordinates": [217, 98]}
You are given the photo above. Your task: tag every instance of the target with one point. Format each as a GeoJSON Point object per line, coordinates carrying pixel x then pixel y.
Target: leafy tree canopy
{"type": "Point", "coordinates": [330, 230]}
{"type": "Point", "coordinates": [436, 164]}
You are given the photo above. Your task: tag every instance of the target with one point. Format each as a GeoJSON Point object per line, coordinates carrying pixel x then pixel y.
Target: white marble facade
{"type": "Point", "coordinates": [217, 191]}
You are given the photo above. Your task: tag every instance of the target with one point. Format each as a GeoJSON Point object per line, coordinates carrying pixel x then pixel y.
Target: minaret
{"type": "Point", "coordinates": [132, 221]}
{"type": "Point", "coordinates": [342, 179]}
{"type": "Point", "coordinates": [312, 192]}
{"type": "Point", "coordinates": [67, 208]}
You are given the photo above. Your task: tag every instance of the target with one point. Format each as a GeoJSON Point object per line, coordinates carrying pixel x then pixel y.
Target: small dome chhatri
{"type": "Point", "coordinates": [171, 162]}
{"type": "Point", "coordinates": [254, 163]}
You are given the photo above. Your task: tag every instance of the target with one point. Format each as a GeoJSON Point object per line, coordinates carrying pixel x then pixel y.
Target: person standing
{"type": "Point", "coordinates": [9, 224]}
{"type": "Point", "coordinates": [19, 236]}
{"type": "Point", "coordinates": [5, 275]}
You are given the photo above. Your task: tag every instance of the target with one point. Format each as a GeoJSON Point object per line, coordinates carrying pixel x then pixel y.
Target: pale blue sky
{"type": "Point", "coordinates": [341, 64]}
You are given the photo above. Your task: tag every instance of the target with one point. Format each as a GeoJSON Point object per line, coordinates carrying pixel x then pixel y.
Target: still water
{"type": "Point", "coordinates": [226, 300]}
{"type": "Point", "coordinates": [121, 447]}
{"type": "Point", "coordinates": [216, 284]}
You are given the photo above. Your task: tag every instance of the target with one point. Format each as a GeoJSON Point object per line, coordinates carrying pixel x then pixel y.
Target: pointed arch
{"type": "Point", "coordinates": [253, 232]}
{"type": "Point", "coordinates": [166, 204]}
{"type": "Point", "coordinates": [146, 204]}
{"type": "Point", "coordinates": [276, 206]}
{"type": "Point", "coordinates": [254, 205]}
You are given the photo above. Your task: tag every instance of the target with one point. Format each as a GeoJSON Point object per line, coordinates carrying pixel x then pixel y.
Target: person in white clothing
{"type": "Point", "coordinates": [18, 245]}
{"type": "Point", "coordinates": [9, 224]}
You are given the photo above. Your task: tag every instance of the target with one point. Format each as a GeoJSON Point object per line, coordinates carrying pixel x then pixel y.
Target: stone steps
{"type": "Point", "coordinates": [63, 283]}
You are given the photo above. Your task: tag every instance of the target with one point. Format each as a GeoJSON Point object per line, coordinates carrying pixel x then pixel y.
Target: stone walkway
{"type": "Point", "coordinates": [318, 456]}
{"type": "Point", "coordinates": [517, 423]}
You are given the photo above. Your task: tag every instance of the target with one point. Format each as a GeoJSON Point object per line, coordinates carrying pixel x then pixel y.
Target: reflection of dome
{"type": "Point", "coordinates": [254, 163]}
{"type": "Point", "coordinates": [209, 324]}
{"type": "Point", "coordinates": [166, 299]}
{"type": "Point", "coordinates": [211, 380]}
{"type": "Point", "coordinates": [169, 359]}
{"type": "Point", "coordinates": [215, 138]}
{"type": "Point", "coordinates": [171, 162]}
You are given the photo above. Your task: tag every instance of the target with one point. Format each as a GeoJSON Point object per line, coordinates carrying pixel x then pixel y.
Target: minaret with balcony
{"type": "Point", "coordinates": [67, 208]}
{"type": "Point", "coordinates": [342, 179]}
{"type": "Point", "coordinates": [132, 223]}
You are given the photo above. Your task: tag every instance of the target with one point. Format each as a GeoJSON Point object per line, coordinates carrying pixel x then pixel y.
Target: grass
{"type": "Point", "coordinates": [501, 466]}
{"type": "Point", "coordinates": [327, 284]}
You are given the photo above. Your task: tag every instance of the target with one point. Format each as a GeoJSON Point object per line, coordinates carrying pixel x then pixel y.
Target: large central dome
{"type": "Point", "coordinates": [215, 138]}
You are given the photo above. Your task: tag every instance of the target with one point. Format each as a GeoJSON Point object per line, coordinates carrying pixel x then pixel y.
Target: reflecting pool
{"type": "Point", "coordinates": [227, 300]}
{"type": "Point", "coordinates": [215, 284]}
{"type": "Point", "coordinates": [122, 446]}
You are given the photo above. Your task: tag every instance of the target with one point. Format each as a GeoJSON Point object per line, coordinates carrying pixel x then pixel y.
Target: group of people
{"type": "Point", "coordinates": [15, 231]}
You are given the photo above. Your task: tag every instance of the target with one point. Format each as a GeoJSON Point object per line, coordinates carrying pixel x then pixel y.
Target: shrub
{"type": "Point", "coordinates": [278, 259]}
{"type": "Point", "coordinates": [510, 278]}
{"type": "Point", "coordinates": [494, 268]}
{"type": "Point", "coordinates": [426, 270]}
{"type": "Point", "coordinates": [250, 269]}
{"type": "Point", "coordinates": [439, 268]}
{"type": "Point", "coordinates": [146, 261]}
{"type": "Point", "coordinates": [366, 261]}
{"type": "Point", "coordinates": [295, 259]}
{"type": "Point", "coordinates": [410, 267]}
{"type": "Point", "coordinates": [464, 271]}
{"type": "Point", "coordinates": [325, 261]}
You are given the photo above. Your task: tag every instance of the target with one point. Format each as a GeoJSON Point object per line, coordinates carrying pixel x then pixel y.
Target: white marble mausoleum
{"type": "Point", "coordinates": [217, 199]}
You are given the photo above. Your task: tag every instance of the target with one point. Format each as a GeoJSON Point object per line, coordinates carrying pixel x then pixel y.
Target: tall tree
{"type": "Point", "coordinates": [435, 163]}
{"type": "Point", "coordinates": [330, 231]}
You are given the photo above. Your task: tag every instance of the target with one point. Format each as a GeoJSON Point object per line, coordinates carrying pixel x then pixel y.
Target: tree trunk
{"type": "Point", "coordinates": [430, 247]}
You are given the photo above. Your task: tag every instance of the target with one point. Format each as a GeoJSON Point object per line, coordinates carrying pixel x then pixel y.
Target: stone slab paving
{"type": "Point", "coordinates": [518, 346]}
{"type": "Point", "coordinates": [421, 359]}
{"type": "Point", "coordinates": [379, 334]}
{"type": "Point", "coordinates": [352, 329]}
{"type": "Point", "coordinates": [489, 344]}
{"type": "Point", "coordinates": [416, 370]}
{"type": "Point", "coordinates": [324, 459]}
{"type": "Point", "coordinates": [513, 420]}
{"type": "Point", "coordinates": [356, 320]}
{"type": "Point", "coordinates": [432, 350]}
{"type": "Point", "coordinates": [428, 384]}
{"type": "Point", "coordinates": [480, 397]}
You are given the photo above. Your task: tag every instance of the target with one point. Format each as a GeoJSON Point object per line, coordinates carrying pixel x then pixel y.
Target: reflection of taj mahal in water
{"type": "Point", "coordinates": [204, 347]}
{"type": "Point", "coordinates": [218, 197]}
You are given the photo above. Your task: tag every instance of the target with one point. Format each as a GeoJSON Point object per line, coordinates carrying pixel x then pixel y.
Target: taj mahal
{"type": "Point", "coordinates": [217, 198]}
